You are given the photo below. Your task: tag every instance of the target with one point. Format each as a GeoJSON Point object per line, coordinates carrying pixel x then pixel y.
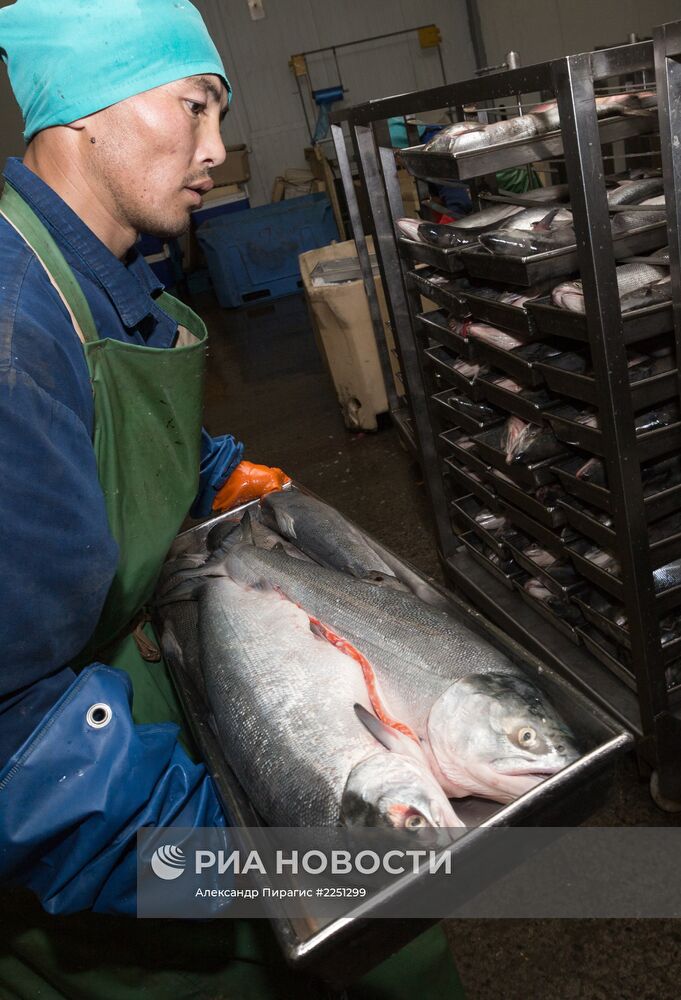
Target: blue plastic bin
{"type": "Point", "coordinates": [220, 205]}
{"type": "Point", "coordinates": [253, 255]}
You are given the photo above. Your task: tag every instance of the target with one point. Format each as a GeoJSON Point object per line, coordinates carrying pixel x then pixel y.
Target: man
{"type": "Point", "coordinates": [102, 457]}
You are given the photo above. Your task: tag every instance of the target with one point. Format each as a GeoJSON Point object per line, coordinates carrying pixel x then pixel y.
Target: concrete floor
{"type": "Point", "coordinates": [267, 385]}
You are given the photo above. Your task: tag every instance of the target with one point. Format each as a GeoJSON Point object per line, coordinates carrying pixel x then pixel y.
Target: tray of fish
{"type": "Point", "coordinates": [443, 291]}
{"type": "Point", "coordinates": [555, 263]}
{"type": "Point", "coordinates": [610, 618]}
{"type": "Point", "coordinates": [637, 325]}
{"type": "Point", "coordinates": [614, 657]}
{"type": "Point", "coordinates": [523, 452]}
{"type": "Point", "coordinates": [445, 330]}
{"type": "Point", "coordinates": [603, 569]}
{"type": "Point", "coordinates": [519, 362]}
{"type": "Point", "coordinates": [445, 259]}
{"type": "Point", "coordinates": [515, 398]}
{"type": "Point", "coordinates": [500, 307]}
{"type": "Point", "coordinates": [470, 515]}
{"type": "Point", "coordinates": [529, 526]}
{"type": "Point", "coordinates": [468, 481]}
{"type": "Point", "coordinates": [560, 613]}
{"type": "Point", "coordinates": [590, 521]}
{"type": "Point", "coordinates": [458, 411]}
{"type": "Point", "coordinates": [461, 374]}
{"type": "Point", "coordinates": [585, 478]}
{"type": "Point", "coordinates": [664, 535]}
{"type": "Point", "coordinates": [658, 431]}
{"type": "Point", "coordinates": [277, 724]}
{"type": "Point", "coordinates": [653, 380]}
{"type": "Point", "coordinates": [557, 574]}
{"type": "Point", "coordinates": [508, 151]}
{"type": "Point", "coordinates": [541, 504]}
{"type": "Point", "coordinates": [504, 569]}
{"type": "Point", "coordinates": [462, 448]}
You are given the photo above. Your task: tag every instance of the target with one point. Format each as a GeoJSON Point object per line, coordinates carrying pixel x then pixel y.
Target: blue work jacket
{"type": "Point", "coordinates": [58, 560]}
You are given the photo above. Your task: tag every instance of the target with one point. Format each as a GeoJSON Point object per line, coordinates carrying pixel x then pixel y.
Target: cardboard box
{"type": "Point", "coordinates": [342, 325]}
{"type": "Point", "coordinates": [235, 169]}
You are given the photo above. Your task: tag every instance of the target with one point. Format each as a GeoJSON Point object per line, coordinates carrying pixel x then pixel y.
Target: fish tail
{"type": "Point", "coordinates": [324, 632]}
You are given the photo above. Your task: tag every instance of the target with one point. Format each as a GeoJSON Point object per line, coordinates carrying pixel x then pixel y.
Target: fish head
{"type": "Point", "coordinates": [495, 735]}
{"type": "Point", "coordinates": [396, 791]}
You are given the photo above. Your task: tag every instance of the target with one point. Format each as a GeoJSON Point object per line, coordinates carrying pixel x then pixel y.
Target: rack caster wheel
{"type": "Point", "coordinates": [667, 805]}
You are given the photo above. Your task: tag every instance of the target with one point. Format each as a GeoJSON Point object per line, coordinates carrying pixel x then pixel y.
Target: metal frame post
{"type": "Point", "coordinates": [364, 263]}
{"type": "Point", "coordinates": [367, 157]}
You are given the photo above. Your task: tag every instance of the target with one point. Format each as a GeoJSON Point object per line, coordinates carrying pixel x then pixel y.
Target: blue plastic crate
{"type": "Point", "coordinates": [253, 255]}
{"type": "Point", "coordinates": [225, 205]}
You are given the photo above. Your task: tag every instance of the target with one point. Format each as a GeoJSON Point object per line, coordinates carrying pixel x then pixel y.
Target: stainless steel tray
{"type": "Point", "coordinates": [467, 484]}
{"type": "Point", "coordinates": [555, 620]}
{"type": "Point", "coordinates": [513, 362]}
{"type": "Point", "coordinates": [480, 554]}
{"type": "Point", "coordinates": [636, 325]}
{"type": "Point", "coordinates": [447, 294]}
{"type": "Point", "coordinates": [529, 405]}
{"type": "Point", "coordinates": [661, 552]}
{"type": "Point", "coordinates": [657, 503]}
{"type": "Point", "coordinates": [461, 166]}
{"type": "Point", "coordinates": [434, 325]}
{"type": "Point", "coordinates": [529, 526]}
{"type": "Point", "coordinates": [463, 449]}
{"type": "Point", "coordinates": [645, 393]}
{"type": "Point", "coordinates": [653, 444]}
{"type": "Point", "coordinates": [443, 364]}
{"type": "Point", "coordinates": [532, 476]}
{"type": "Point", "coordinates": [665, 600]}
{"type": "Point", "coordinates": [500, 314]}
{"type": "Point", "coordinates": [671, 651]}
{"type": "Point", "coordinates": [518, 542]}
{"type": "Point", "coordinates": [424, 253]}
{"type": "Point", "coordinates": [445, 406]}
{"type": "Point", "coordinates": [549, 516]}
{"type": "Point", "coordinates": [526, 271]}
{"type": "Point", "coordinates": [464, 511]}
{"type": "Point", "coordinates": [341, 950]}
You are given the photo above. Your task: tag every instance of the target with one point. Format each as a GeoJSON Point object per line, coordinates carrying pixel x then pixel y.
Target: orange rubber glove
{"type": "Point", "coordinates": [248, 482]}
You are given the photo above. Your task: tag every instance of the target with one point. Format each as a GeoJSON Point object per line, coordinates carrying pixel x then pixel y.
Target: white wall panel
{"type": "Point", "coordinates": [546, 29]}
{"type": "Point", "coordinates": [267, 114]}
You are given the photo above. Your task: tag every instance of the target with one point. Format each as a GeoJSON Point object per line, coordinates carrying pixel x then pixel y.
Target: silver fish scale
{"type": "Point", "coordinates": [417, 651]}
{"type": "Point", "coordinates": [283, 703]}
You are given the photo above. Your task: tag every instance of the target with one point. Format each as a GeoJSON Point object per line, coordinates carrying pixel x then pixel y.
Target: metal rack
{"type": "Point", "coordinates": [635, 692]}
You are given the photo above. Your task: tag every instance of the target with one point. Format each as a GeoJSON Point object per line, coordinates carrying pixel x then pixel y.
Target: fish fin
{"type": "Point", "coordinates": [285, 524]}
{"type": "Point", "coordinates": [544, 225]}
{"type": "Point", "coordinates": [226, 531]}
{"type": "Point", "coordinates": [263, 536]}
{"type": "Point", "coordinates": [391, 738]}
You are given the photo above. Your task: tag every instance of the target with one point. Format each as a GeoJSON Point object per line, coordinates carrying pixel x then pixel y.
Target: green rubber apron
{"type": "Point", "coordinates": [147, 428]}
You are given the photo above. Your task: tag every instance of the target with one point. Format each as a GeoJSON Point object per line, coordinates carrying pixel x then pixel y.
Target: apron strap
{"type": "Point", "coordinates": [24, 220]}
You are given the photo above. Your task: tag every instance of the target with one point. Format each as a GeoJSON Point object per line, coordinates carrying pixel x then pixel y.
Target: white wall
{"type": "Point", "coordinates": [266, 111]}
{"type": "Point", "coordinates": [546, 29]}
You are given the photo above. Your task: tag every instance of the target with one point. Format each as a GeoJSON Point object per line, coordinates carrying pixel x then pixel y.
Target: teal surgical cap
{"type": "Point", "coordinates": [69, 58]}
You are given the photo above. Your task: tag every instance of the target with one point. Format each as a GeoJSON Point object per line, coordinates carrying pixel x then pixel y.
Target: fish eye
{"type": "Point", "coordinates": [415, 822]}
{"type": "Point", "coordinates": [527, 736]}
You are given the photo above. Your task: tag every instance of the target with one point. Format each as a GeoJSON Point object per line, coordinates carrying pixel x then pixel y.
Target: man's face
{"type": "Point", "coordinates": [153, 152]}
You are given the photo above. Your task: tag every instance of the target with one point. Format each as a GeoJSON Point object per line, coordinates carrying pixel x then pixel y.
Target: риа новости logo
{"type": "Point", "coordinates": [168, 862]}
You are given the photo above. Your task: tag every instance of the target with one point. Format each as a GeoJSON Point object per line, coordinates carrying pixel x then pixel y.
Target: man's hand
{"type": "Point", "coordinates": [248, 482]}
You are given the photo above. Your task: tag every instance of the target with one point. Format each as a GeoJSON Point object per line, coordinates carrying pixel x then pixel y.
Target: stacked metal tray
{"type": "Point", "coordinates": [553, 542]}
